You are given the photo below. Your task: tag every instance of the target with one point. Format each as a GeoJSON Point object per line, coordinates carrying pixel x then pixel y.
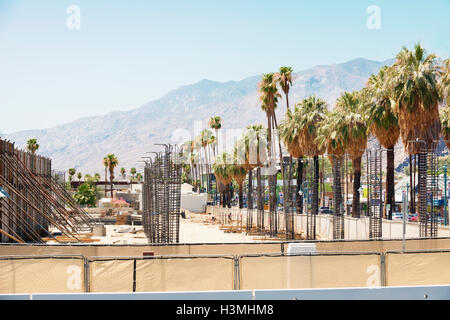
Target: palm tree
{"type": "Point", "coordinates": [80, 175]}
{"type": "Point", "coordinates": [32, 146]}
{"type": "Point", "coordinates": [417, 94]}
{"type": "Point", "coordinates": [106, 164]}
{"type": "Point", "coordinates": [237, 171]}
{"type": "Point", "coordinates": [123, 172]}
{"type": "Point", "coordinates": [445, 123]}
{"type": "Point", "coordinates": [112, 163]}
{"type": "Point", "coordinates": [445, 111]}
{"type": "Point", "coordinates": [72, 172]}
{"type": "Point", "coordinates": [205, 137]}
{"type": "Point", "coordinates": [132, 176]}
{"type": "Point", "coordinates": [290, 132]}
{"type": "Point", "coordinates": [97, 177]}
{"type": "Point", "coordinates": [139, 177]}
{"type": "Point", "coordinates": [332, 135]}
{"type": "Point", "coordinates": [383, 124]}
{"type": "Point", "coordinates": [216, 123]}
{"type": "Point", "coordinates": [284, 78]}
{"type": "Point", "coordinates": [222, 171]}
{"type": "Point", "coordinates": [355, 138]}
{"type": "Point", "coordinates": [268, 95]}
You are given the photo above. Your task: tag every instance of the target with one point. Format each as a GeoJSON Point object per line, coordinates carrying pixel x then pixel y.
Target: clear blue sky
{"type": "Point", "coordinates": [130, 52]}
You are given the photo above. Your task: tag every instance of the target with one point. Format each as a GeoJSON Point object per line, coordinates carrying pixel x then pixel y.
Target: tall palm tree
{"type": "Point", "coordinates": [197, 146]}
{"type": "Point", "coordinates": [445, 123]}
{"type": "Point", "coordinates": [332, 135]}
{"type": "Point", "coordinates": [383, 124]}
{"type": "Point", "coordinates": [445, 111]}
{"type": "Point", "coordinates": [417, 94]}
{"type": "Point", "coordinates": [310, 114]}
{"type": "Point", "coordinates": [132, 176]}
{"type": "Point", "coordinates": [415, 89]}
{"type": "Point", "coordinates": [356, 138]}
{"type": "Point", "coordinates": [32, 146]}
{"type": "Point", "coordinates": [268, 95]}
{"type": "Point", "coordinates": [123, 172]}
{"type": "Point", "coordinates": [216, 123]}
{"type": "Point", "coordinates": [106, 164]}
{"type": "Point", "coordinates": [284, 78]}
{"type": "Point", "coordinates": [222, 171]}
{"type": "Point", "coordinates": [238, 172]}
{"type": "Point", "coordinates": [205, 137]}
{"type": "Point", "coordinates": [290, 132]}
{"type": "Point", "coordinates": [113, 162]}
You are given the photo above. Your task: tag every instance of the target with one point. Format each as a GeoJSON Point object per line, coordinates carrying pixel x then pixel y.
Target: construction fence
{"type": "Point", "coordinates": [189, 249]}
{"type": "Point", "coordinates": [75, 274]}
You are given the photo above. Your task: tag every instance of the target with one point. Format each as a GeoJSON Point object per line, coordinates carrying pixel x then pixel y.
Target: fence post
{"type": "Point", "coordinates": [383, 269]}
{"type": "Point", "coordinates": [237, 282]}
{"type": "Point", "coordinates": [86, 274]}
{"type": "Point", "coordinates": [134, 275]}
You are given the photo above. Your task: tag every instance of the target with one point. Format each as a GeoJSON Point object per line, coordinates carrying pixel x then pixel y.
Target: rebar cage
{"type": "Point", "coordinates": [374, 194]}
{"type": "Point", "coordinates": [338, 205]}
{"type": "Point", "coordinates": [34, 200]}
{"type": "Point", "coordinates": [162, 196]}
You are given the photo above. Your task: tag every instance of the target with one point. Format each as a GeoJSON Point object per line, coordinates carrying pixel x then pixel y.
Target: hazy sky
{"type": "Point", "coordinates": [127, 53]}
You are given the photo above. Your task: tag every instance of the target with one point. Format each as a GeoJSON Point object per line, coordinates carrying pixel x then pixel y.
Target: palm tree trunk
{"type": "Point", "coordinates": [356, 185]}
{"type": "Point", "coordinates": [281, 166]}
{"type": "Point", "coordinates": [241, 198]}
{"type": "Point", "coordinates": [411, 173]}
{"type": "Point", "coordinates": [315, 199]}
{"type": "Point", "coordinates": [390, 192]}
{"type": "Point", "coordinates": [111, 177]}
{"type": "Point", "coordinates": [105, 179]}
{"type": "Point", "coordinates": [228, 193]}
{"type": "Point", "coordinates": [299, 183]}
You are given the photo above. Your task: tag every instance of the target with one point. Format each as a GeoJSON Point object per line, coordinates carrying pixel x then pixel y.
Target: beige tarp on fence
{"type": "Point", "coordinates": [42, 275]}
{"type": "Point", "coordinates": [111, 275]}
{"type": "Point", "coordinates": [220, 249]}
{"type": "Point", "coordinates": [185, 274]}
{"type": "Point", "coordinates": [410, 269]}
{"type": "Point", "coordinates": [320, 271]}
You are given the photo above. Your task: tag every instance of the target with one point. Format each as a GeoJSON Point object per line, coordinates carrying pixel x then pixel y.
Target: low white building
{"type": "Point", "coordinates": [192, 201]}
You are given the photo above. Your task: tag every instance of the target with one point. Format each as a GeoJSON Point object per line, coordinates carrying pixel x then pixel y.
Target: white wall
{"type": "Point", "coordinates": [354, 229]}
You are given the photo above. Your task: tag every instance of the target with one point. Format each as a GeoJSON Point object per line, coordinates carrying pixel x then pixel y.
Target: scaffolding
{"type": "Point", "coordinates": [162, 196]}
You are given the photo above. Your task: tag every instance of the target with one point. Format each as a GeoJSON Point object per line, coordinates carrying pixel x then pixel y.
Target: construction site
{"type": "Point", "coordinates": [51, 246]}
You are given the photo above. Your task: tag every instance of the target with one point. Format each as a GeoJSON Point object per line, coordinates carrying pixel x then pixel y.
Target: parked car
{"type": "Point", "coordinates": [411, 216]}
{"type": "Point", "coordinates": [397, 216]}
{"type": "Point", "coordinates": [321, 209]}
{"type": "Point", "coordinates": [326, 211]}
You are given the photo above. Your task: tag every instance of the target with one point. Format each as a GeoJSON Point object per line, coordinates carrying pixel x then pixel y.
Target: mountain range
{"type": "Point", "coordinates": [83, 143]}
